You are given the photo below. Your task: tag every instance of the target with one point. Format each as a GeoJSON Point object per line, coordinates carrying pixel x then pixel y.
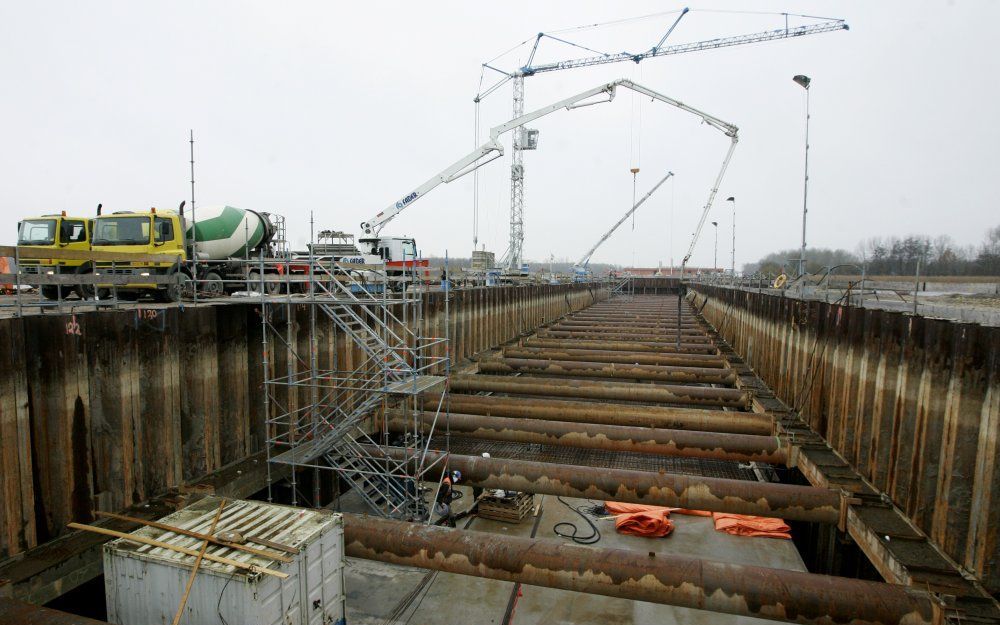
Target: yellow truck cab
{"type": "Point", "coordinates": [56, 232]}
{"type": "Point", "coordinates": [159, 232]}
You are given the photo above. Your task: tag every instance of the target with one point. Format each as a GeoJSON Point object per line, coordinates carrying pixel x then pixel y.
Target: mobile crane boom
{"type": "Point", "coordinates": [581, 265]}
{"type": "Point", "coordinates": [492, 149]}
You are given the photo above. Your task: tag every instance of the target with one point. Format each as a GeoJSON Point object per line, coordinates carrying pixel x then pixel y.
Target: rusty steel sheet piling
{"type": "Point", "coordinates": [657, 441]}
{"type": "Point", "coordinates": [784, 501]}
{"type": "Point", "coordinates": [573, 368]}
{"type": "Point", "coordinates": [636, 358]}
{"type": "Point", "coordinates": [671, 418]}
{"type": "Point", "coordinates": [592, 389]}
{"type": "Point", "coordinates": [621, 345]}
{"type": "Point", "coordinates": [754, 591]}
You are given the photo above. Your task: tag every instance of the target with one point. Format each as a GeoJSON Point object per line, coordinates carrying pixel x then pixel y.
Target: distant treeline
{"type": "Point", "coordinates": [896, 256]}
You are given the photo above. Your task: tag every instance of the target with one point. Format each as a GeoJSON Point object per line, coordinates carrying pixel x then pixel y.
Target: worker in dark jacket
{"type": "Point", "coordinates": [444, 497]}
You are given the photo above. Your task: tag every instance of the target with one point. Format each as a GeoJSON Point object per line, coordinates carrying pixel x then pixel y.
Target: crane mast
{"type": "Point", "coordinates": [581, 266]}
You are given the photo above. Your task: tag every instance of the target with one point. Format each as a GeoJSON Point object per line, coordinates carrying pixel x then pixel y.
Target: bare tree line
{"type": "Point", "coordinates": [896, 256]}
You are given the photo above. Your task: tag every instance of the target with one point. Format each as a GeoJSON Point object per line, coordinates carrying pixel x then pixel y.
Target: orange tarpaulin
{"type": "Point", "coordinates": [746, 525]}
{"type": "Point", "coordinates": [640, 520]}
{"type": "Point", "coordinates": [691, 512]}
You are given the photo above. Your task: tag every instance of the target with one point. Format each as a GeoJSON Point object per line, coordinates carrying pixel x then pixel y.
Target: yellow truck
{"type": "Point", "coordinates": [143, 233]}
{"type": "Point", "coordinates": [56, 232]}
{"type": "Point", "coordinates": [224, 238]}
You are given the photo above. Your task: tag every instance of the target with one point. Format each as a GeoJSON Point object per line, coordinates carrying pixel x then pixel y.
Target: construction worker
{"type": "Point", "coordinates": [445, 495]}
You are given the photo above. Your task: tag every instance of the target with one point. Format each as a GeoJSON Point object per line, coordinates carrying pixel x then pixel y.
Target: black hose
{"type": "Point", "coordinates": [595, 534]}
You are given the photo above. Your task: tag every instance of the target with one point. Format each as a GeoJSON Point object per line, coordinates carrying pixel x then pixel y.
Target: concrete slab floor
{"type": "Point", "coordinates": [375, 590]}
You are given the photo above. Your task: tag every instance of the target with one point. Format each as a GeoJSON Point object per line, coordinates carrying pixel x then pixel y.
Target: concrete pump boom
{"type": "Point", "coordinates": [493, 149]}
{"type": "Point", "coordinates": [585, 260]}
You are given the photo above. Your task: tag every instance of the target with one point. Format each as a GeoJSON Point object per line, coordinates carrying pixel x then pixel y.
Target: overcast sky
{"type": "Point", "coordinates": [341, 108]}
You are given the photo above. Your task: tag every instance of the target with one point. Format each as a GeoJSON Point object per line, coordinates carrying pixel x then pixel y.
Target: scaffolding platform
{"type": "Point", "coordinates": [415, 386]}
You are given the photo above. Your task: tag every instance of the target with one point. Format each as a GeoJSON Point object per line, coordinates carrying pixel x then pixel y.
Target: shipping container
{"type": "Point", "coordinates": [144, 584]}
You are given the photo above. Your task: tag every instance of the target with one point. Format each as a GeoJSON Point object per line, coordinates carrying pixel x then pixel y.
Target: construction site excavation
{"type": "Point", "coordinates": [218, 415]}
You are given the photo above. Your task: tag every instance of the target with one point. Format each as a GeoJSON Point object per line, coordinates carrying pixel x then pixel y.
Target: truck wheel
{"type": "Point", "coordinates": [85, 291]}
{"type": "Point", "coordinates": [172, 292]}
{"type": "Point", "coordinates": [212, 285]}
{"type": "Point", "coordinates": [253, 282]}
{"type": "Point", "coordinates": [274, 288]}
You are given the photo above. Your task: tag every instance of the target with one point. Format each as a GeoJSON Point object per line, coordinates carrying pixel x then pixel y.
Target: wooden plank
{"type": "Point", "coordinates": [207, 537]}
{"type": "Point", "coordinates": [197, 565]}
{"type": "Point", "coordinates": [162, 545]}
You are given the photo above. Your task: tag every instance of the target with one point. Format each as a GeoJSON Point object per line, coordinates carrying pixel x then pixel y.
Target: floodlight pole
{"type": "Point", "coordinates": [804, 82]}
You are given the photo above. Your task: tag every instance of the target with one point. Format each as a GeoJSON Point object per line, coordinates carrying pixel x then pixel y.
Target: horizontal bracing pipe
{"type": "Point", "coordinates": [753, 591]}
{"type": "Point", "coordinates": [621, 335]}
{"type": "Point", "coordinates": [678, 443]}
{"type": "Point", "coordinates": [784, 501]}
{"type": "Point", "coordinates": [623, 323]}
{"type": "Point", "coordinates": [686, 333]}
{"type": "Point", "coordinates": [658, 347]}
{"type": "Point", "coordinates": [613, 324]}
{"type": "Point", "coordinates": [593, 389]}
{"type": "Point", "coordinates": [599, 355]}
{"type": "Point", "coordinates": [666, 417]}
{"type": "Point", "coordinates": [584, 369]}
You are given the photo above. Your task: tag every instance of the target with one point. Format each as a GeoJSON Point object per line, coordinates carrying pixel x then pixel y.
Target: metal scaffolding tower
{"type": "Point", "coordinates": [325, 408]}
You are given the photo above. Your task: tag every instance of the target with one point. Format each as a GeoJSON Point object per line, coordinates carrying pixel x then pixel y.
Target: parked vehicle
{"type": "Point", "coordinates": [56, 232]}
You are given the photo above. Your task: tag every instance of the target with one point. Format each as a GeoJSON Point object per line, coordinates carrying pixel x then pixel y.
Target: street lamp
{"type": "Point", "coordinates": [803, 81]}
{"type": "Point", "coordinates": [715, 263]}
{"type": "Point", "coordinates": [732, 267]}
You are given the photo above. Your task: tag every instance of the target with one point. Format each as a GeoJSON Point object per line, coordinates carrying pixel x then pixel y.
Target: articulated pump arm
{"type": "Point", "coordinates": [583, 262]}
{"type": "Point", "coordinates": [494, 150]}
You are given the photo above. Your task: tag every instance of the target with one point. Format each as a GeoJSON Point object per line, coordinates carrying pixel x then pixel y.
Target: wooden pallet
{"type": "Point", "coordinates": [508, 509]}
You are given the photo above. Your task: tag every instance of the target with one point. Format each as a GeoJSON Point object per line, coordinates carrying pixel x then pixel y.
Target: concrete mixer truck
{"type": "Point", "coordinates": [215, 247]}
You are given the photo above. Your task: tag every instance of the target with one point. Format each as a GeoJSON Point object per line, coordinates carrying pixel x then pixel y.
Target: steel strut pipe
{"type": "Point", "coordinates": [655, 322]}
{"type": "Point", "coordinates": [784, 501]}
{"type": "Point", "coordinates": [638, 358]}
{"type": "Point", "coordinates": [624, 336]}
{"type": "Point", "coordinates": [622, 345]}
{"type": "Point", "coordinates": [572, 368]}
{"type": "Point", "coordinates": [683, 581]}
{"type": "Point", "coordinates": [666, 417]}
{"type": "Point", "coordinates": [674, 443]}
{"type": "Point", "coordinates": [691, 334]}
{"type": "Point", "coordinates": [631, 325]}
{"type": "Point", "coordinates": [592, 389]}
